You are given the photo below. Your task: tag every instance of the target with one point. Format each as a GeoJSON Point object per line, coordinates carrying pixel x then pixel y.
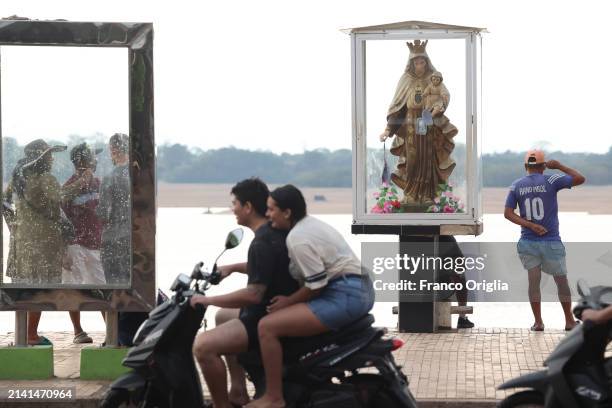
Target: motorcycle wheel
{"type": "Point", "coordinates": [523, 399]}
{"type": "Point", "coordinates": [372, 391]}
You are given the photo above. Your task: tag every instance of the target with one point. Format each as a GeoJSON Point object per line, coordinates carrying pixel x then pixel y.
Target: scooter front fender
{"type": "Point", "coordinates": [538, 381]}
{"type": "Point", "coordinates": [129, 381]}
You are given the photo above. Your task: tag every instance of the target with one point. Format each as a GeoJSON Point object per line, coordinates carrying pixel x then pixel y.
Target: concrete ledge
{"type": "Point", "coordinates": [102, 363]}
{"type": "Point", "coordinates": [26, 363]}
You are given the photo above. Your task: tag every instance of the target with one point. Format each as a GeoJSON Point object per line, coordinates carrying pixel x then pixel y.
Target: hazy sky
{"type": "Point", "coordinates": [275, 75]}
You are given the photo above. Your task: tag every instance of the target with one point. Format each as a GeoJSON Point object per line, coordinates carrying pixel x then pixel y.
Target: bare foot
{"type": "Point", "coordinates": [33, 340]}
{"type": "Point", "coordinates": [266, 402]}
{"type": "Point", "coordinates": [239, 397]}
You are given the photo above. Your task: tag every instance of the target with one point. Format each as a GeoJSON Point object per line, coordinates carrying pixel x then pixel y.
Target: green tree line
{"type": "Point", "coordinates": [177, 163]}
{"type": "Point", "coordinates": [324, 168]}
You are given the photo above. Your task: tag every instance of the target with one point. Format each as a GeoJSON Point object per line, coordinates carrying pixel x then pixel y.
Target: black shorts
{"type": "Point", "coordinates": [250, 322]}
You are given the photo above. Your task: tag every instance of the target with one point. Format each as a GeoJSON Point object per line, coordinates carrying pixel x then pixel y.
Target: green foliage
{"type": "Point", "coordinates": [387, 200]}
{"type": "Point", "coordinates": [178, 163]}
{"type": "Point", "coordinates": [317, 168]}
{"type": "Point", "coordinates": [446, 201]}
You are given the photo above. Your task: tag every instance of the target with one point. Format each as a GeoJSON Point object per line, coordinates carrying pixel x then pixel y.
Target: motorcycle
{"type": "Point", "coordinates": [326, 371]}
{"type": "Point", "coordinates": [577, 375]}
{"type": "Point", "coordinates": [321, 371]}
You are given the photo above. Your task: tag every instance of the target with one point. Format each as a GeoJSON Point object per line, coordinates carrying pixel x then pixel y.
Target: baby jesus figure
{"type": "Point", "coordinates": [436, 95]}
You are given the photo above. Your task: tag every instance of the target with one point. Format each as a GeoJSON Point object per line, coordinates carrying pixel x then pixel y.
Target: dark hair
{"type": "Point", "coordinates": [535, 166]}
{"type": "Point", "coordinates": [83, 156]}
{"type": "Point", "coordinates": [254, 191]}
{"type": "Point", "coordinates": [290, 197]}
{"type": "Point", "coordinates": [120, 142]}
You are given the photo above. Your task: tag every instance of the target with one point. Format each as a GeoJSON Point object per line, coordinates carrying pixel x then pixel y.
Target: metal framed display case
{"type": "Point", "coordinates": [136, 293]}
{"type": "Point", "coordinates": [426, 177]}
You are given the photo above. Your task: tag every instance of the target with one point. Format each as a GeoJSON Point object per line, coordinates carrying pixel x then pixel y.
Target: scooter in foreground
{"type": "Point", "coordinates": [578, 375]}
{"type": "Point", "coordinates": [320, 372]}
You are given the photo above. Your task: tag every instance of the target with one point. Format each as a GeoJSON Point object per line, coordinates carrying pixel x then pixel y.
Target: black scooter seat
{"type": "Point", "coordinates": [295, 346]}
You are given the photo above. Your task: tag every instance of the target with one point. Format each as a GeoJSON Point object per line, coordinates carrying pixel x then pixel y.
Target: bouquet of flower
{"type": "Point", "coordinates": [446, 201]}
{"type": "Point", "coordinates": [386, 200]}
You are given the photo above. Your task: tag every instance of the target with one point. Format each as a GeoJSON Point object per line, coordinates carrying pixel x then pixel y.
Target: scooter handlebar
{"type": "Point", "coordinates": [215, 276]}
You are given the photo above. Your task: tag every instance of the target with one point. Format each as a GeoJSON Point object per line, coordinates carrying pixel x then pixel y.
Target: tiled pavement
{"type": "Point", "coordinates": [458, 369]}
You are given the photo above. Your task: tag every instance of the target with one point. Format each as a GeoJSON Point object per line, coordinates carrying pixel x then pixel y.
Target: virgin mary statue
{"type": "Point", "coordinates": [423, 136]}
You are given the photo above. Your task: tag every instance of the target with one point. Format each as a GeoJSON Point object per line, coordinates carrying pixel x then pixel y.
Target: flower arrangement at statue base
{"type": "Point", "coordinates": [387, 200]}
{"type": "Point", "coordinates": [446, 201]}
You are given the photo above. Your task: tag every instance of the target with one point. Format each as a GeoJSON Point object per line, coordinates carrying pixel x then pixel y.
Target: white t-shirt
{"type": "Point", "coordinates": [318, 253]}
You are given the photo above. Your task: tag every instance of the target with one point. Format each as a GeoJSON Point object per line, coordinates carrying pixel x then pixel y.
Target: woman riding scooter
{"type": "Point", "coordinates": [334, 291]}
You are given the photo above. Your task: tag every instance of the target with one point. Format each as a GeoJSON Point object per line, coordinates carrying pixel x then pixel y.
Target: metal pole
{"type": "Point", "coordinates": [21, 328]}
{"type": "Point", "coordinates": [436, 254]}
{"type": "Point", "coordinates": [112, 328]}
{"type": "Point", "coordinates": [418, 316]}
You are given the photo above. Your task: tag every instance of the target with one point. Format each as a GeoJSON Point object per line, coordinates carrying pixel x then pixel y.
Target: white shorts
{"type": "Point", "coordinates": [86, 266]}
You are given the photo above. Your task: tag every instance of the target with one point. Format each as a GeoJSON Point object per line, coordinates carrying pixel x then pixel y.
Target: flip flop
{"type": "Point", "coordinates": [42, 341]}
{"type": "Point", "coordinates": [82, 338]}
{"type": "Point", "coordinates": [537, 328]}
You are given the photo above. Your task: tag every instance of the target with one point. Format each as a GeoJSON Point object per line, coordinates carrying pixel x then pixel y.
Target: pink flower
{"type": "Point", "coordinates": [437, 200]}
{"type": "Point", "coordinates": [447, 194]}
{"type": "Point", "coordinates": [376, 210]}
{"type": "Point", "coordinates": [385, 184]}
{"type": "Point", "coordinates": [376, 195]}
{"type": "Point", "coordinates": [435, 208]}
{"type": "Point", "coordinates": [448, 209]}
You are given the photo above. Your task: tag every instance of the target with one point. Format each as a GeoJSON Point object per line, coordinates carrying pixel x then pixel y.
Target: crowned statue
{"type": "Point", "coordinates": [423, 138]}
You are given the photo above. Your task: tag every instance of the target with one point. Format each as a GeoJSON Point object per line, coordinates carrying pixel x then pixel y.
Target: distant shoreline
{"type": "Point", "coordinates": [330, 200]}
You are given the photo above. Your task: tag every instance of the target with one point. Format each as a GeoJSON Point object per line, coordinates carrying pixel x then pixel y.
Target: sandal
{"type": "Point", "coordinates": [42, 341]}
{"type": "Point", "coordinates": [537, 328]}
{"type": "Point", "coordinates": [82, 338]}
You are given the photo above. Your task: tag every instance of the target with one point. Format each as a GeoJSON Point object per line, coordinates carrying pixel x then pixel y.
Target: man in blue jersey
{"type": "Point", "coordinates": [540, 247]}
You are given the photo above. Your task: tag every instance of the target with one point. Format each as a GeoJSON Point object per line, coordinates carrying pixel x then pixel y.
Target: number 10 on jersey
{"type": "Point", "coordinates": [534, 208]}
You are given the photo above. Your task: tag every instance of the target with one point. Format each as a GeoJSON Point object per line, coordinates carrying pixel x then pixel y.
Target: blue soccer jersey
{"type": "Point", "coordinates": [536, 196]}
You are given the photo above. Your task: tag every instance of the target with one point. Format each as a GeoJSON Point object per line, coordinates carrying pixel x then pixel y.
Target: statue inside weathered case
{"type": "Point", "coordinates": [422, 135]}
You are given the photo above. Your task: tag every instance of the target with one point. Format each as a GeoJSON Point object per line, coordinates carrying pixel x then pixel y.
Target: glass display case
{"type": "Point", "coordinates": [78, 166]}
{"type": "Point", "coordinates": [416, 114]}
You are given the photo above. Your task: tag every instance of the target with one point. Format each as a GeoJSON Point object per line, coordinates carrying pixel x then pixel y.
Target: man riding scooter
{"type": "Point", "coordinates": [267, 268]}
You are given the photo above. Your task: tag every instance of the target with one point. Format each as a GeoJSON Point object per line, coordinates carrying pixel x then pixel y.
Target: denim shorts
{"type": "Point", "coordinates": [550, 255]}
{"type": "Point", "coordinates": [343, 300]}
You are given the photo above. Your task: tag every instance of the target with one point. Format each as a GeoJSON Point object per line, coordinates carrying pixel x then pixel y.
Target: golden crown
{"type": "Point", "coordinates": [418, 47]}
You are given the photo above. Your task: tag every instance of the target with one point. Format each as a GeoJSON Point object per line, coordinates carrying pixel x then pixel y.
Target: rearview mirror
{"type": "Point", "coordinates": [234, 238]}
{"type": "Point", "coordinates": [583, 288]}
